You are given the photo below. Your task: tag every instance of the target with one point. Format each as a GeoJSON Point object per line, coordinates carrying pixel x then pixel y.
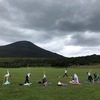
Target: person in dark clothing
{"type": "Point", "coordinates": [90, 79]}
{"type": "Point", "coordinates": [44, 80]}
{"type": "Point", "coordinates": [27, 78]}
{"type": "Point", "coordinates": [96, 77]}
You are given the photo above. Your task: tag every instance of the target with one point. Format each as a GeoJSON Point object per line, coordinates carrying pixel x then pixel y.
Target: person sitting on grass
{"type": "Point", "coordinates": [44, 81]}
{"type": "Point", "coordinates": [75, 79]}
{"type": "Point", "coordinates": [96, 77]}
{"type": "Point", "coordinates": [6, 77]}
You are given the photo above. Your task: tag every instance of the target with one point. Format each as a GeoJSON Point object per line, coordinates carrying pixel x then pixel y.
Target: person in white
{"type": "Point", "coordinates": [76, 78]}
{"type": "Point", "coordinates": [6, 77]}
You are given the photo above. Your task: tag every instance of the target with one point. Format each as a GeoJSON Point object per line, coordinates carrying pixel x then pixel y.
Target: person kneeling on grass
{"type": "Point", "coordinates": [96, 77]}
{"type": "Point", "coordinates": [75, 79]}
{"type": "Point", "coordinates": [6, 77]}
{"type": "Point", "coordinates": [90, 79]}
{"type": "Point", "coordinates": [27, 79]}
{"type": "Point", "coordinates": [44, 81]}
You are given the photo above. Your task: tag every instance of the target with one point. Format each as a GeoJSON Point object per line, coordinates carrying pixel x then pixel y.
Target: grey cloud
{"type": "Point", "coordinates": [10, 35]}
{"type": "Point", "coordinates": [84, 17]}
{"type": "Point", "coordinates": [69, 16]}
{"type": "Point", "coordinates": [86, 40]}
{"type": "Point", "coordinates": [40, 15]}
{"type": "Point", "coordinates": [66, 25]}
{"type": "Point", "coordinates": [51, 20]}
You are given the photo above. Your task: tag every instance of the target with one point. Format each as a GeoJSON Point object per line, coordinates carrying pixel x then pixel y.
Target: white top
{"type": "Point", "coordinates": [29, 74]}
{"type": "Point", "coordinates": [65, 71]}
{"type": "Point", "coordinates": [76, 78]}
{"type": "Point", "coordinates": [44, 76]}
{"type": "Point", "coordinates": [7, 75]}
{"type": "Point", "coordinates": [89, 73]}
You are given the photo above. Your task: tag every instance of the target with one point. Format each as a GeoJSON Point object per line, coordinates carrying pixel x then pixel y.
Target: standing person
{"type": "Point", "coordinates": [65, 73]}
{"type": "Point", "coordinates": [6, 77]}
{"type": "Point", "coordinates": [27, 78]}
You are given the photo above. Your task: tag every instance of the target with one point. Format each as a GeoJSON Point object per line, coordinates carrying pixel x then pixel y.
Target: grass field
{"type": "Point", "coordinates": [53, 92]}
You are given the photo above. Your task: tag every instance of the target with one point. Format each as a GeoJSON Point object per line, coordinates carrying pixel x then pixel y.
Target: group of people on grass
{"type": "Point", "coordinates": [90, 79]}
{"type": "Point", "coordinates": [96, 77]}
{"type": "Point", "coordinates": [27, 77]}
{"type": "Point", "coordinates": [7, 75]}
{"type": "Point", "coordinates": [75, 79]}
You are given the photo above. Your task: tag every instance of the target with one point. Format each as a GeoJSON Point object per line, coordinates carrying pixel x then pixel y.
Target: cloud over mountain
{"type": "Point", "coordinates": [47, 23]}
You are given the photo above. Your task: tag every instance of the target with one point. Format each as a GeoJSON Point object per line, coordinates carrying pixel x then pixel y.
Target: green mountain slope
{"type": "Point", "coordinates": [25, 49]}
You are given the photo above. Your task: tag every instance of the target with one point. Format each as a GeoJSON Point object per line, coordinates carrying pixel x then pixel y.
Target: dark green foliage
{"type": "Point", "coordinates": [29, 62]}
{"type": "Point", "coordinates": [24, 53]}
{"type": "Point", "coordinates": [86, 60]}
{"type": "Point", "coordinates": [48, 62]}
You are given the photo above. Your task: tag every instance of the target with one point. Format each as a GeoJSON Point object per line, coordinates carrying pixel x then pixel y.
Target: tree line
{"type": "Point", "coordinates": [48, 62]}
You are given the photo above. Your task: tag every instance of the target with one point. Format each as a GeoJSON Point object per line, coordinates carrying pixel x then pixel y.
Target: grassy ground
{"type": "Point", "coordinates": [53, 92]}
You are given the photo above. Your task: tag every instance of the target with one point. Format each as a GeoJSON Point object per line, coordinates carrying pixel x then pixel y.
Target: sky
{"type": "Point", "coordinates": [68, 27]}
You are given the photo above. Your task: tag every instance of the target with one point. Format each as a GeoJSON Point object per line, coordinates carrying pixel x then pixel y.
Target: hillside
{"type": "Point", "coordinates": [25, 49]}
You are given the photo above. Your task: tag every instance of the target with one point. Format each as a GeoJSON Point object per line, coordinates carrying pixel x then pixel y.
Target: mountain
{"type": "Point", "coordinates": [26, 49]}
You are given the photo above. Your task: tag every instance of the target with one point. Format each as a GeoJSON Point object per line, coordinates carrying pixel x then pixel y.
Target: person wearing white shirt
{"type": "Point", "coordinates": [6, 77]}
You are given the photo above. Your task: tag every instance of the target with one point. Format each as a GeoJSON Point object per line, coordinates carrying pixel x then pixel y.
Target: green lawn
{"type": "Point", "coordinates": [53, 92]}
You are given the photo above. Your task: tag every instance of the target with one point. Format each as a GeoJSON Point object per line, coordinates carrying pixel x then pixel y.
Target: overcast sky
{"type": "Point", "coordinates": [68, 27]}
